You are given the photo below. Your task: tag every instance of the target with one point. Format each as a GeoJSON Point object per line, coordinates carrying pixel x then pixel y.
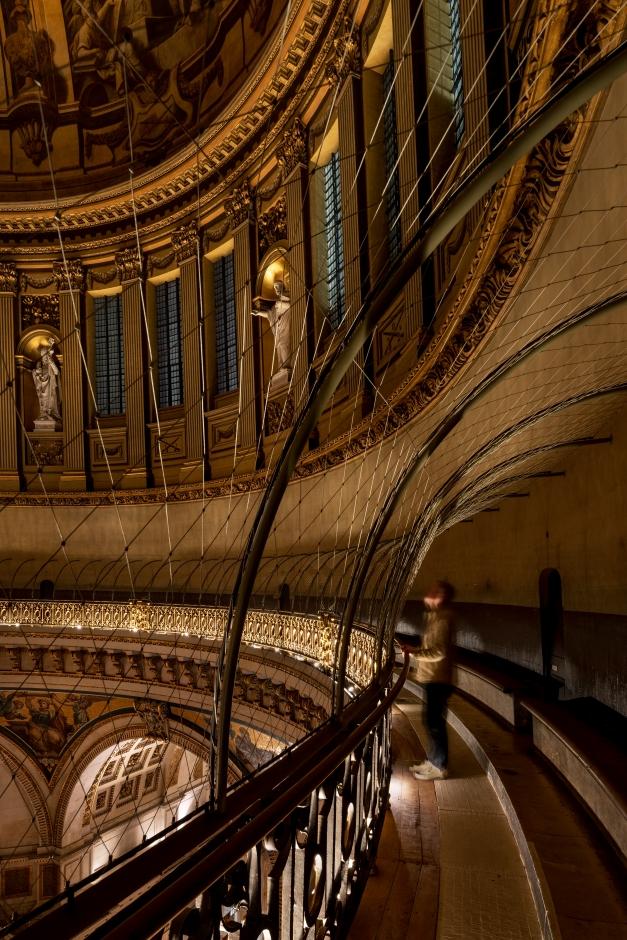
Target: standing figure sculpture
{"type": "Point", "coordinates": [47, 380]}
{"type": "Point", "coordinates": [278, 318]}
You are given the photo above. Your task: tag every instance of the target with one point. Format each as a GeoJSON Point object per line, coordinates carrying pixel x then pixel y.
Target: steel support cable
{"type": "Point", "coordinates": [426, 530]}
{"type": "Point", "coordinates": [422, 455]}
{"type": "Point", "coordinates": [396, 581]}
{"type": "Point", "coordinates": [514, 147]}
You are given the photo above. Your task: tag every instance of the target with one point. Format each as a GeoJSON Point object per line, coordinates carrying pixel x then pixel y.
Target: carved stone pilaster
{"type": "Point", "coordinates": [69, 275]}
{"type": "Point", "coordinates": [293, 149]}
{"type": "Point", "coordinates": [272, 225]}
{"type": "Point", "coordinates": [346, 57]}
{"type": "Point", "coordinates": [8, 278]}
{"type": "Point", "coordinates": [185, 242]}
{"type": "Point", "coordinates": [240, 205]}
{"type": "Point", "coordinates": [129, 264]}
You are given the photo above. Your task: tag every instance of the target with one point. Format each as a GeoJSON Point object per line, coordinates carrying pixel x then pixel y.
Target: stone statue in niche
{"type": "Point", "coordinates": [278, 318]}
{"type": "Point", "coordinates": [47, 380]}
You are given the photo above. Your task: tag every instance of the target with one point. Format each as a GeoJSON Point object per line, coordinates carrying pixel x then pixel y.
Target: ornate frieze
{"type": "Point", "coordinates": [39, 308]}
{"type": "Point", "coordinates": [293, 149]}
{"type": "Point", "coordinates": [8, 278]}
{"type": "Point", "coordinates": [102, 276]}
{"type": "Point", "coordinates": [240, 205]}
{"type": "Point", "coordinates": [128, 264]}
{"type": "Point", "coordinates": [215, 235]}
{"type": "Point", "coordinates": [39, 283]}
{"type": "Point", "coordinates": [69, 275]}
{"type": "Point", "coordinates": [185, 242]}
{"type": "Point", "coordinates": [272, 225]}
{"type": "Point", "coordinates": [313, 637]}
{"type": "Point", "coordinates": [159, 263]}
{"type": "Point", "coordinates": [346, 57]}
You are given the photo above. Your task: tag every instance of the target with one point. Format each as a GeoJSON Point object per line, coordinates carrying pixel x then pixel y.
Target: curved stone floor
{"type": "Point", "coordinates": [448, 865]}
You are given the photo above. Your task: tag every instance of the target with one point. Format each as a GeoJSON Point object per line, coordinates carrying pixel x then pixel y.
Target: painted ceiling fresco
{"type": "Point", "coordinates": [96, 84]}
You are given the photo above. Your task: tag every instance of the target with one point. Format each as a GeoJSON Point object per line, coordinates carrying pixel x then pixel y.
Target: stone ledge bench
{"type": "Point", "coordinates": [594, 766]}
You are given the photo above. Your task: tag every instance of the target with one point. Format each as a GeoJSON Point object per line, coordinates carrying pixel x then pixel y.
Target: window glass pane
{"type": "Point", "coordinates": [169, 343]}
{"type": "Point", "coordinates": [109, 355]}
{"type": "Point", "coordinates": [458, 79]}
{"type": "Point", "coordinates": [390, 144]}
{"type": "Point", "coordinates": [334, 240]}
{"type": "Point", "coordinates": [226, 334]}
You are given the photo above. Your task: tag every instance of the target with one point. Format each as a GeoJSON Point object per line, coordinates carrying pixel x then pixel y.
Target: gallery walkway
{"type": "Point", "coordinates": [449, 867]}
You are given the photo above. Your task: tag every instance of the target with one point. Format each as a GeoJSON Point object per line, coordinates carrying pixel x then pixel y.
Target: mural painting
{"type": "Point", "coordinates": [46, 722]}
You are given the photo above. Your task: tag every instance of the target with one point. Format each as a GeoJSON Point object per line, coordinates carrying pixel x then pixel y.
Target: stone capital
{"type": "Point", "coordinates": [293, 149]}
{"type": "Point", "coordinates": [185, 242]}
{"type": "Point", "coordinates": [69, 275]}
{"type": "Point", "coordinates": [128, 264]}
{"type": "Point", "coordinates": [346, 56]}
{"type": "Point", "coordinates": [8, 278]}
{"type": "Point", "coordinates": [240, 204]}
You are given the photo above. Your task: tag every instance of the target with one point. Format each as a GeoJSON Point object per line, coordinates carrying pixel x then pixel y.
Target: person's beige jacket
{"type": "Point", "coordinates": [434, 655]}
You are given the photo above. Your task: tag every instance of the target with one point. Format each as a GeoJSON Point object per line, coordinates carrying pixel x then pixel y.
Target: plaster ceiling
{"type": "Point", "coordinates": [90, 87]}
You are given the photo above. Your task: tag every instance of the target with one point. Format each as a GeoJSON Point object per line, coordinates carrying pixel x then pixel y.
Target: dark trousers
{"type": "Point", "coordinates": [435, 708]}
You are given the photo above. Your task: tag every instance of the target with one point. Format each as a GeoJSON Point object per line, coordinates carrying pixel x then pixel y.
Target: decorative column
{"type": "Point", "coordinates": [129, 267]}
{"type": "Point", "coordinates": [9, 477]}
{"type": "Point", "coordinates": [345, 69]}
{"type": "Point", "coordinates": [70, 280]}
{"type": "Point", "coordinates": [405, 102]}
{"type": "Point", "coordinates": [185, 244]}
{"type": "Point", "coordinates": [292, 156]}
{"type": "Point", "coordinates": [239, 208]}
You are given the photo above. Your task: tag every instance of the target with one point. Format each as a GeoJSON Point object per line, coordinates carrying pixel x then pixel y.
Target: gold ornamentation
{"type": "Point", "coordinates": [293, 149]}
{"type": "Point", "coordinates": [128, 264]}
{"type": "Point", "coordinates": [156, 193]}
{"type": "Point", "coordinates": [160, 263]}
{"type": "Point", "coordinates": [155, 717]}
{"type": "Point", "coordinates": [279, 414]}
{"type": "Point", "coordinates": [69, 275]}
{"type": "Point", "coordinates": [103, 276]}
{"type": "Point", "coordinates": [185, 242]}
{"type": "Point", "coordinates": [39, 308]}
{"type": "Point", "coordinates": [346, 53]}
{"type": "Point", "coordinates": [215, 235]}
{"type": "Point", "coordinates": [309, 636]}
{"type": "Point", "coordinates": [272, 225]}
{"type": "Point", "coordinates": [44, 453]}
{"type": "Point", "coordinates": [240, 204]}
{"type": "Point", "coordinates": [8, 278]}
{"type": "Point", "coordinates": [39, 283]}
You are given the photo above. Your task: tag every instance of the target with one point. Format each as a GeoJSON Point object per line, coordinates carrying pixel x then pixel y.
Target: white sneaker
{"type": "Point", "coordinates": [431, 773]}
{"type": "Point", "coordinates": [419, 768]}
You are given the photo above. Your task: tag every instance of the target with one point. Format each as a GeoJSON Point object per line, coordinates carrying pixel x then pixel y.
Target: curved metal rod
{"type": "Point", "coordinates": [427, 239]}
{"type": "Point", "coordinates": [435, 509]}
{"type": "Point", "coordinates": [423, 453]}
